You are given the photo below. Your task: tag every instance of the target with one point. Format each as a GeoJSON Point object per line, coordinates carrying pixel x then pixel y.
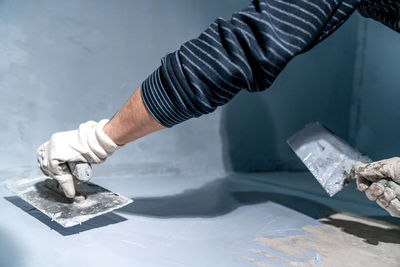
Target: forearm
{"type": "Point", "coordinates": [132, 121]}
{"type": "Point", "coordinates": [247, 52]}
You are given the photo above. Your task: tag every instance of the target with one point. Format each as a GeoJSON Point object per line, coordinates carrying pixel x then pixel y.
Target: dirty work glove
{"type": "Point", "coordinates": [380, 180]}
{"type": "Point", "coordinates": [87, 144]}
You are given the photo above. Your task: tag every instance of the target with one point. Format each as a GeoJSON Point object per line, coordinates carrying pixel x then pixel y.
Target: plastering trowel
{"type": "Point", "coordinates": [91, 200]}
{"type": "Point", "coordinates": [329, 158]}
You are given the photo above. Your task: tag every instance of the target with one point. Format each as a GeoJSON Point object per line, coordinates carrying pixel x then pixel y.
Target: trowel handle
{"type": "Point", "coordinates": [81, 171]}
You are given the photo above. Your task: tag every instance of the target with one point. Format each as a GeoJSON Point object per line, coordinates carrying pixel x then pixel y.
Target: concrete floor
{"type": "Point", "coordinates": [265, 219]}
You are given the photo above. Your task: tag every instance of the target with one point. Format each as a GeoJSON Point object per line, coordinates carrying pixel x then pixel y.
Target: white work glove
{"type": "Point", "coordinates": [87, 144]}
{"type": "Point", "coordinates": [380, 180]}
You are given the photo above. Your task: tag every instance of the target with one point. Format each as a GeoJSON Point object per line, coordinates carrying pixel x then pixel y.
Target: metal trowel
{"type": "Point", "coordinates": [329, 158]}
{"type": "Point", "coordinates": [91, 200]}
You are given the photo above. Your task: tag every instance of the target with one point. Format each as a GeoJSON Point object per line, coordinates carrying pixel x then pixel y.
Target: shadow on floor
{"type": "Point", "coordinates": [371, 234]}
{"type": "Point", "coordinates": [97, 222]}
{"type": "Point", "coordinates": [217, 198]}
{"type": "Point", "coordinates": [223, 195]}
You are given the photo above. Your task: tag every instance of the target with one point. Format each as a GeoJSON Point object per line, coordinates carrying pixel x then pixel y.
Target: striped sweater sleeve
{"type": "Point", "coordinates": [246, 52]}
{"type": "Point", "coordinates": [384, 11]}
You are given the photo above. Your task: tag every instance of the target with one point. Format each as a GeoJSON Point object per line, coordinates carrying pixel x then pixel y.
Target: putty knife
{"type": "Point", "coordinates": [91, 200]}
{"type": "Point", "coordinates": [328, 157]}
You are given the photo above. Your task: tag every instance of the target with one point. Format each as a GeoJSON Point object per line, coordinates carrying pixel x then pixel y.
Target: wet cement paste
{"type": "Point", "coordinates": [343, 240]}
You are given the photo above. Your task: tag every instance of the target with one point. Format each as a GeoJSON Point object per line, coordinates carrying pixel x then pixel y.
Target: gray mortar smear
{"type": "Point", "coordinates": [92, 200]}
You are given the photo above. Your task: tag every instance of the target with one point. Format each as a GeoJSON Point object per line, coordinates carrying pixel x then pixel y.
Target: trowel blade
{"type": "Point", "coordinates": [328, 157]}
{"type": "Point", "coordinates": [42, 194]}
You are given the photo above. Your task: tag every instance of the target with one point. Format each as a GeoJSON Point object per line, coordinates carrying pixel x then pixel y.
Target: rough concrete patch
{"type": "Point", "coordinates": [344, 240]}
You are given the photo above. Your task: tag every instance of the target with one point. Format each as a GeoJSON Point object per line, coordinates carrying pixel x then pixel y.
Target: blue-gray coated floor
{"type": "Point", "coordinates": [265, 219]}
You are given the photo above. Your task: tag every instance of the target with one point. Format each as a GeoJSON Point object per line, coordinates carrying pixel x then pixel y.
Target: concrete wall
{"type": "Point", "coordinates": [375, 120]}
{"type": "Point", "coordinates": [66, 62]}
{"type": "Point", "coordinates": [315, 86]}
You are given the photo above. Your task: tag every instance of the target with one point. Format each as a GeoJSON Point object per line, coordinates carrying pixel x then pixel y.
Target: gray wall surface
{"type": "Point", "coordinates": [315, 86]}
{"type": "Point", "coordinates": [375, 120]}
{"type": "Point", "coordinates": [66, 62]}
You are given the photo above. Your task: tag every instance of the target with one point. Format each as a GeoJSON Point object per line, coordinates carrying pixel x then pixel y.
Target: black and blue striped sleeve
{"type": "Point", "coordinates": [384, 11]}
{"type": "Point", "coordinates": [246, 52]}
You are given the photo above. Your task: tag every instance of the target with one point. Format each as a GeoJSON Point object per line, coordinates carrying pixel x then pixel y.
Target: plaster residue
{"type": "Point", "coordinates": [342, 240]}
{"type": "Point", "coordinates": [92, 200]}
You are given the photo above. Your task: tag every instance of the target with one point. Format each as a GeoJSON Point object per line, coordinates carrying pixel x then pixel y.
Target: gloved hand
{"type": "Point", "coordinates": [87, 144]}
{"type": "Point", "coordinates": [380, 180]}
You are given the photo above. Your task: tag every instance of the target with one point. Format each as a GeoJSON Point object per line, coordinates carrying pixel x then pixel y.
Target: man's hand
{"type": "Point", "coordinates": [380, 181]}
{"type": "Point", "coordinates": [94, 142]}
{"type": "Point", "coordinates": [88, 144]}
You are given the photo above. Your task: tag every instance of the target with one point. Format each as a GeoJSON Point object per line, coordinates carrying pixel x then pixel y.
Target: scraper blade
{"type": "Point", "coordinates": [44, 195]}
{"type": "Point", "coordinates": [328, 157]}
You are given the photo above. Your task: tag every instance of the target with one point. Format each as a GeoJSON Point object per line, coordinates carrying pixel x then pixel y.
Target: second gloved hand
{"type": "Point", "coordinates": [380, 180]}
{"type": "Point", "coordinates": [87, 144]}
